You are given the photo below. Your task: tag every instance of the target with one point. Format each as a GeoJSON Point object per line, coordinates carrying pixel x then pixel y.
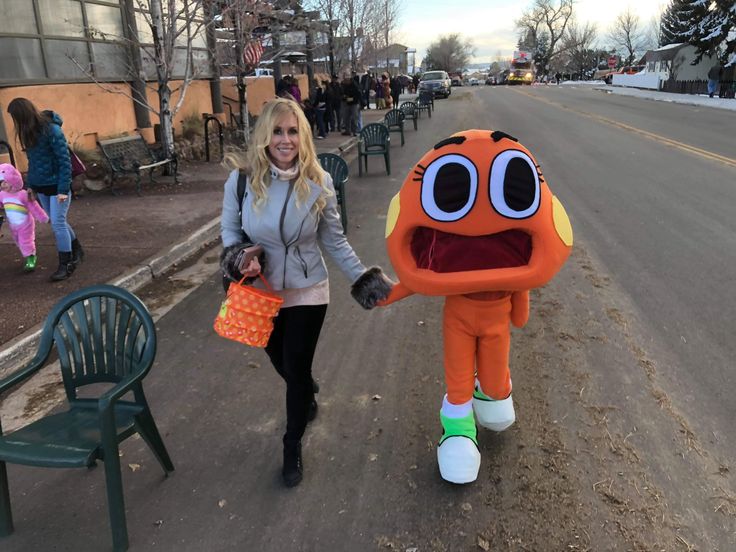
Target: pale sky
{"type": "Point", "coordinates": [490, 23]}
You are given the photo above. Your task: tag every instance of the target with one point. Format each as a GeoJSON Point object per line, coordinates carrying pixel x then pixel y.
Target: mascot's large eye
{"type": "Point", "coordinates": [514, 186]}
{"type": "Point", "coordinates": [449, 188]}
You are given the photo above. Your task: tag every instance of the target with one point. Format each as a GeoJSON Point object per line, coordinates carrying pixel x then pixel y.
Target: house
{"type": "Point", "coordinates": [675, 62]}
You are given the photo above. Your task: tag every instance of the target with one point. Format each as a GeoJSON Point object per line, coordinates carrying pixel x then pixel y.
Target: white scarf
{"type": "Point", "coordinates": [285, 175]}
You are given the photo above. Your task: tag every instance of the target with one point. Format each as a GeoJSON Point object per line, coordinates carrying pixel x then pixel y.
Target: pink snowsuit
{"type": "Point", "coordinates": [20, 210]}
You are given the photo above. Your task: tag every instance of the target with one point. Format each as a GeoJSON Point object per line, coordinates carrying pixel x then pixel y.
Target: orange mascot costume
{"type": "Point", "coordinates": [476, 222]}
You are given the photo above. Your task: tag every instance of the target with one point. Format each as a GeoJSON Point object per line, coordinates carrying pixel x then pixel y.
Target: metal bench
{"type": "Point", "coordinates": [131, 155]}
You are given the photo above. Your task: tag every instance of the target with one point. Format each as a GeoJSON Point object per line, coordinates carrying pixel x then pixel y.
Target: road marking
{"type": "Point", "coordinates": [731, 162]}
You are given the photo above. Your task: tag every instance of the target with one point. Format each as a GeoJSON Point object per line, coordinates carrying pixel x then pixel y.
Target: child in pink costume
{"type": "Point", "coordinates": [20, 210]}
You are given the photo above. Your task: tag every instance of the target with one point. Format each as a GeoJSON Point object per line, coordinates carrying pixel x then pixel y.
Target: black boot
{"type": "Point", "coordinates": [77, 252]}
{"type": "Point", "coordinates": [293, 468]}
{"type": "Point", "coordinates": [66, 266]}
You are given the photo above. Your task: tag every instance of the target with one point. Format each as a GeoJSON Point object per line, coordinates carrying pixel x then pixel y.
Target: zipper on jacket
{"type": "Point", "coordinates": [298, 253]}
{"type": "Point", "coordinates": [281, 228]}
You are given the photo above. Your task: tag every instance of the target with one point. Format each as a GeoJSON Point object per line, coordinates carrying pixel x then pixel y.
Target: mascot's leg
{"type": "Point", "coordinates": [457, 454]}
{"type": "Point", "coordinates": [492, 402]}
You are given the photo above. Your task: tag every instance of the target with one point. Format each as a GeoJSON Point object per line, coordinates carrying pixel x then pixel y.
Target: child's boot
{"type": "Point", "coordinates": [492, 414]}
{"type": "Point", "coordinates": [30, 264]}
{"type": "Point", "coordinates": [457, 454]}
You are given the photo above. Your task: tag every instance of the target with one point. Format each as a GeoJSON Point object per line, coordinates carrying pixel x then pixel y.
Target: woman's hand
{"type": "Point", "coordinates": [61, 198]}
{"type": "Point", "coordinates": [253, 268]}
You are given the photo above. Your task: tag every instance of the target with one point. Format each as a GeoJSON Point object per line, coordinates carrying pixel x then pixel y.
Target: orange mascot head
{"type": "Point", "coordinates": [475, 214]}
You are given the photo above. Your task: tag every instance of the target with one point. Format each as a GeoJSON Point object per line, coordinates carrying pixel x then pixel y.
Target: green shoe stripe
{"type": "Point", "coordinates": [480, 395]}
{"type": "Point", "coordinates": [459, 427]}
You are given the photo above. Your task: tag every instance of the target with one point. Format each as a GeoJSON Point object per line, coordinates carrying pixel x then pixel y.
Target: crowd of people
{"type": "Point", "coordinates": [335, 105]}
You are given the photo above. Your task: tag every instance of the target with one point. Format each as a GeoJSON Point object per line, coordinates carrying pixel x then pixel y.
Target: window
{"type": "Point", "coordinates": [21, 59]}
{"type": "Point", "coordinates": [17, 17]}
{"type": "Point", "coordinates": [104, 22]}
{"type": "Point", "coordinates": [61, 17]}
{"type": "Point", "coordinates": [67, 58]}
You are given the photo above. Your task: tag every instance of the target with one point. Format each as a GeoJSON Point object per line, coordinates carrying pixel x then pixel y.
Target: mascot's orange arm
{"type": "Point", "coordinates": [398, 292]}
{"type": "Point", "coordinates": [519, 308]}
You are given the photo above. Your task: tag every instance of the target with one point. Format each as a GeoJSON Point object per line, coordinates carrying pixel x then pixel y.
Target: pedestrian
{"type": "Point", "coordinates": [714, 77]}
{"type": "Point", "coordinates": [21, 208]}
{"type": "Point", "coordinates": [350, 106]}
{"type": "Point", "coordinates": [319, 101]}
{"type": "Point", "coordinates": [334, 97]}
{"type": "Point", "coordinates": [558, 77]}
{"type": "Point", "coordinates": [380, 100]}
{"type": "Point", "coordinates": [395, 86]}
{"type": "Point", "coordinates": [387, 91]}
{"type": "Point", "coordinates": [294, 90]}
{"type": "Point", "coordinates": [284, 177]}
{"type": "Point", "coordinates": [49, 176]}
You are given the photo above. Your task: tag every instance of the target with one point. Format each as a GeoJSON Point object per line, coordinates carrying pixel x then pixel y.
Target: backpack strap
{"type": "Point", "coordinates": [242, 181]}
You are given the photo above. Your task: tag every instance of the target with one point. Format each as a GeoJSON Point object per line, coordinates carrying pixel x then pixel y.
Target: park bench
{"type": "Point", "coordinates": [131, 155]}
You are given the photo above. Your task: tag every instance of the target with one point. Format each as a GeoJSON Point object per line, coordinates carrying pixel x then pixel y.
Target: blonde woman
{"type": "Point", "coordinates": [289, 208]}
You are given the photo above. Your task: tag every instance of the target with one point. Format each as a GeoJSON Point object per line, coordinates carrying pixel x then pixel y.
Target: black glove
{"type": "Point", "coordinates": [372, 286]}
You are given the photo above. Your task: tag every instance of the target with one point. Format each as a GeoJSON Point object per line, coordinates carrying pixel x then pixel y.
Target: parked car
{"type": "Point", "coordinates": [491, 81]}
{"type": "Point", "coordinates": [473, 81]}
{"type": "Point", "coordinates": [438, 82]}
{"type": "Point", "coordinates": [456, 81]}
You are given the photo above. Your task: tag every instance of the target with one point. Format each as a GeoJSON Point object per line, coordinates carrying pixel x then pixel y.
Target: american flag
{"type": "Point", "coordinates": [252, 52]}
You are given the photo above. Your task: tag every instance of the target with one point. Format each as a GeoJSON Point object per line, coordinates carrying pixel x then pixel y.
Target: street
{"type": "Point", "coordinates": [623, 437]}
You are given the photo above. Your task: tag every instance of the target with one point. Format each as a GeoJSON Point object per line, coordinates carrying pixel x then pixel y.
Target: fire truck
{"type": "Point", "coordinates": [522, 68]}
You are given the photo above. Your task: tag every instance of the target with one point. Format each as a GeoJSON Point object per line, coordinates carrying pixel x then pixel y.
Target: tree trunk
{"type": "Point", "coordinates": [162, 72]}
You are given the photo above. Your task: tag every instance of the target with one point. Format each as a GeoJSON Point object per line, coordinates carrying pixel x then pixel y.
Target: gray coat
{"type": "Point", "coordinates": [289, 233]}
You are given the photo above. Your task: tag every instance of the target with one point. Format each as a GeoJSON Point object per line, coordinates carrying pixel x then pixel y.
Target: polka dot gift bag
{"type": "Point", "coordinates": [247, 314]}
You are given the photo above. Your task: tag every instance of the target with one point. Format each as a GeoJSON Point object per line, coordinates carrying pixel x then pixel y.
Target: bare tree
{"type": "Point", "coordinates": [549, 18]}
{"type": "Point", "coordinates": [628, 34]}
{"type": "Point", "coordinates": [578, 46]}
{"type": "Point", "coordinates": [160, 40]}
{"type": "Point", "coordinates": [354, 14]}
{"type": "Point", "coordinates": [450, 53]}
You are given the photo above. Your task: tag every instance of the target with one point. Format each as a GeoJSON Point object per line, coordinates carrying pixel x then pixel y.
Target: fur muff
{"type": "Point", "coordinates": [372, 286]}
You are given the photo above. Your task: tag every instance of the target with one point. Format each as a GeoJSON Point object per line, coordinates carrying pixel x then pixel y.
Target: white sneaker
{"type": "Point", "coordinates": [457, 454]}
{"type": "Point", "coordinates": [459, 460]}
{"type": "Point", "coordinates": [492, 414]}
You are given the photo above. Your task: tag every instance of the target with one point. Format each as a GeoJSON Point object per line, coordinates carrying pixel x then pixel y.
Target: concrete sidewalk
{"type": "Point", "coordinates": [128, 240]}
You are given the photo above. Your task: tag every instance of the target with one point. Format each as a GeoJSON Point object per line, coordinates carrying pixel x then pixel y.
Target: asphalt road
{"type": "Point", "coordinates": [620, 378]}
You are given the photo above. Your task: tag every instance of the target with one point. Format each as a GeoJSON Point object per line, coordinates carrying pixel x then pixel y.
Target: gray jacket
{"type": "Point", "coordinates": [289, 233]}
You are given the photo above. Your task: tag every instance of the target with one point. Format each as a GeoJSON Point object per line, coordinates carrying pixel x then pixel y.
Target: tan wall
{"type": "Point", "coordinates": [89, 112]}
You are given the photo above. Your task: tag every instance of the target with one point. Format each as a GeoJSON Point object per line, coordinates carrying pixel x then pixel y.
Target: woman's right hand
{"type": "Point", "coordinates": [253, 268]}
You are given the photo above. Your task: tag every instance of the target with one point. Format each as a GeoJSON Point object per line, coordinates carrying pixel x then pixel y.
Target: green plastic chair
{"type": "Point", "coordinates": [394, 120]}
{"type": "Point", "coordinates": [374, 140]}
{"type": "Point", "coordinates": [102, 335]}
{"type": "Point", "coordinates": [424, 103]}
{"type": "Point", "coordinates": [338, 170]}
{"type": "Point", "coordinates": [409, 109]}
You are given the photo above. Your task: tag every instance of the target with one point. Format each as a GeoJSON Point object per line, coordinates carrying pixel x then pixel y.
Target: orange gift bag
{"type": "Point", "coordinates": [246, 315]}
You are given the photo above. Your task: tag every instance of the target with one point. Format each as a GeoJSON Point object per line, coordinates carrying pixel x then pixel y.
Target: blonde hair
{"type": "Point", "coordinates": [256, 162]}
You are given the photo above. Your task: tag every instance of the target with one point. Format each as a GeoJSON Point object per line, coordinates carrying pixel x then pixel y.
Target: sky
{"type": "Point", "coordinates": [489, 24]}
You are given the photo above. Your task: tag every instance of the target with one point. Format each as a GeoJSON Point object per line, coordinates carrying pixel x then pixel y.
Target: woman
{"type": "Point", "coordinates": [49, 176]}
{"type": "Point", "coordinates": [288, 207]}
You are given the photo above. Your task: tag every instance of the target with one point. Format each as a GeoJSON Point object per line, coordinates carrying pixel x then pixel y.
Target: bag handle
{"type": "Point", "coordinates": [260, 275]}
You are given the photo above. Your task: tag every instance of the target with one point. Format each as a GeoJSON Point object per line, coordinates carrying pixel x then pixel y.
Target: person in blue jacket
{"type": "Point", "coordinates": [49, 176]}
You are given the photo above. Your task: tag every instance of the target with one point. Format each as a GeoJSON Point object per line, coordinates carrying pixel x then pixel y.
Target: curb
{"type": "Point", "coordinates": [21, 348]}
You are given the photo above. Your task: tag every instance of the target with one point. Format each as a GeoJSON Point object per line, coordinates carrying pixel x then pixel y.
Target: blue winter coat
{"type": "Point", "coordinates": [49, 164]}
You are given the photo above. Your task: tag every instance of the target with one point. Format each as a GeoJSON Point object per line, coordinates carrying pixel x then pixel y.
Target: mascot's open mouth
{"type": "Point", "coordinates": [442, 252]}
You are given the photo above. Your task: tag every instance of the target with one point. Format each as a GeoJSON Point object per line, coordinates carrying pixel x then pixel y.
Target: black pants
{"type": "Point", "coordinates": [291, 350]}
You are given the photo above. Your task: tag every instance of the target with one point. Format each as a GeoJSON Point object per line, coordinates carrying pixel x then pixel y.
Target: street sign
{"type": "Point", "coordinates": [612, 60]}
